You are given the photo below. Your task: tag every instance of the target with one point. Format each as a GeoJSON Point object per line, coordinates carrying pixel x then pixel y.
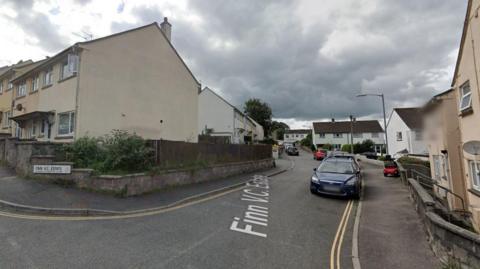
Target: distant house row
{"type": "Point", "coordinates": [133, 80]}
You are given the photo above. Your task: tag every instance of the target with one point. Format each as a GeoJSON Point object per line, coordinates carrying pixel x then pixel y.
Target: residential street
{"type": "Point", "coordinates": [301, 229]}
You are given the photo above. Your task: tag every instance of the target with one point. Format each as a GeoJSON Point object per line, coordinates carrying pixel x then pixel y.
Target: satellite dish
{"type": "Point", "coordinates": [472, 147]}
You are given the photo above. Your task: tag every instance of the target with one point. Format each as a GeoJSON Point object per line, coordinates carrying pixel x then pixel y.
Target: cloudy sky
{"type": "Point", "coordinates": [307, 58]}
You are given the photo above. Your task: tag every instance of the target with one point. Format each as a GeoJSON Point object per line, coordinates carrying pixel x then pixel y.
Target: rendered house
{"type": "Point", "coordinates": [338, 133]}
{"type": "Point", "coordinates": [8, 73]}
{"type": "Point", "coordinates": [465, 86]}
{"type": "Point", "coordinates": [442, 137]}
{"type": "Point", "coordinates": [404, 130]}
{"type": "Point", "coordinates": [217, 117]}
{"type": "Point", "coordinates": [133, 80]}
{"type": "Point", "coordinates": [292, 136]}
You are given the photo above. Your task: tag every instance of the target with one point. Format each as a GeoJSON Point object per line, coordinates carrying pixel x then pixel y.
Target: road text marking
{"type": "Point", "coordinates": [256, 215]}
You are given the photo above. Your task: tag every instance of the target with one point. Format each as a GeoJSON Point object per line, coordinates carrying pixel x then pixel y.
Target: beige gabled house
{"type": "Point", "coordinates": [442, 137]}
{"type": "Point", "coordinates": [133, 80]}
{"type": "Point", "coordinates": [466, 87]}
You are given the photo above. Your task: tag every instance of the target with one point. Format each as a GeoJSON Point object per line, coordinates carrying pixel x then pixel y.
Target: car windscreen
{"type": "Point", "coordinates": [390, 165]}
{"type": "Point", "coordinates": [336, 167]}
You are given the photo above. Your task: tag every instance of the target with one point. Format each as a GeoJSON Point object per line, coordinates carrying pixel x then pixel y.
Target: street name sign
{"type": "Point", "coordinates": [51, 169]}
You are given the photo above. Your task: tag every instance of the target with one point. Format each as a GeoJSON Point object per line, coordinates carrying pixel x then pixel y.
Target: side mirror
{"type": "Point", "coordinates": [358, 160]}
{"type": "Point", "coordinates": [314, 169]}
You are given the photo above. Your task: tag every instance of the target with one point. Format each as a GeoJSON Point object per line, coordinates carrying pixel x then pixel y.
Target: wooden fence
{"type": "Point", "coordinates": [176, 153]}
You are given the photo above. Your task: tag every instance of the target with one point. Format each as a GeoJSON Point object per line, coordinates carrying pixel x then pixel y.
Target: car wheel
{"type": "Point", "coordinates": [385, 175]}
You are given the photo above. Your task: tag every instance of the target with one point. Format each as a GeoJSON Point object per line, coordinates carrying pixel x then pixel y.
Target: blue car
{"type": "Point", "coordinates": [337, 177]}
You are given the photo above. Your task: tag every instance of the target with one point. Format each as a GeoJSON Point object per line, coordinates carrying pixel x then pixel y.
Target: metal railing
{"type": "Point", "coordinates": [429, 182]}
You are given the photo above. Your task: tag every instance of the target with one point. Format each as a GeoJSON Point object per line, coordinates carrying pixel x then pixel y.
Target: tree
{"type": "Point", "coordinates": [260, 112]}
{"type": "Point", "coordinates": [279, 128]}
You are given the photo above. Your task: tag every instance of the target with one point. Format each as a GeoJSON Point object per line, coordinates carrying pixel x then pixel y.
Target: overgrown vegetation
{"type": "Point", "coordinates": [366, 146]}
{"type": "Point", "coordinates": [412, 160]}
{"type": "Point", "coordinates": [116, 153]}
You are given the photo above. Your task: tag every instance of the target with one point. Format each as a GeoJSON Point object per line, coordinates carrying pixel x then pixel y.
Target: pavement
{"type": "Point", "coordinates": [34, 193]}
{"type": "Point", "coordinates": [391, 234]}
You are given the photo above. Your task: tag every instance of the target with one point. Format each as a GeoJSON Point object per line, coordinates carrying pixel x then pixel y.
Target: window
{"type": "Point", "coordinates": [466, 96]}
{"type": "Point", "coordinates": [418, 135]}
{"type": "Point", "coordinates": [1, 86]}
{"type": "Point", "coordinates": [66, 123]}
{"type": "Point", "coordinates": [18, 132]}
{"type": "Point", "coordinates": [436, 167]}
{"type": "Point", "coordinates": [6, 122]}
{"type": "Point", "coordinates": [22, 89]}
{"type": "Point", "coordinates": [321, 135]}
{"type": "Point", "coordinates": [65, 71]}
{"type": "Point", "coordinates": [33, 130]}
{"type": "Point", "coordinates": [399, 136]}
{"type": "Point", "coordinates": [475, 174]}
{"type": "Point", "coordinates": [48, 77]}
{"type": "Point", "coordinates": [337, 135]}
{"type": "Point", "coordinates": [357, 135]}
{"type": "Point", "coordinates": [35, 83]}
{"type": "Point", "coordinates": [9, 85]}
{"type": "Point", "coordinates": [375, 135]}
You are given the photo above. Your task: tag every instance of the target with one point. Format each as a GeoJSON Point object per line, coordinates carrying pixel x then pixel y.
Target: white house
{"type": "Point", "coordinates": [217, 117]}
{"type": "Point", "coordinates": [404, 130]}
{"type": "Point", "coordinates": [292, 136]}
{"type": "Point", "coordinates": [338, 133]}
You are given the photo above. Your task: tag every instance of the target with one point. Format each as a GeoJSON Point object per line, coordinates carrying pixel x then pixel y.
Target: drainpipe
{"type": "Point", "coordinates": [75, 131]}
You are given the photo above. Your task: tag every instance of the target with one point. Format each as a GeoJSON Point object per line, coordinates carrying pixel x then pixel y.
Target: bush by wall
{"type": "Point", "coordinates": [117, 152]}
{"type": "Point", "coordinates": [411, 160]}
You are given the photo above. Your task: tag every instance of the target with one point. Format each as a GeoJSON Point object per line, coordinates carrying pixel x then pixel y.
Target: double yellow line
{"type": "Point", "coordinates": [336, 250]}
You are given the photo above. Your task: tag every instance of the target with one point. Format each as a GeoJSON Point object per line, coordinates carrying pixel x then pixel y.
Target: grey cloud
{"type": "Point", "coordinates": [275, 58]}
{"type": "Point", "coordinates": [37, 25]}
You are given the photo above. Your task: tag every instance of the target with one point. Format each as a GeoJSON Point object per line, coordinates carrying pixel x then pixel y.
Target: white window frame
{"type": "Point", "coordinates": [321, 135]}
{"type": "Point", "coordinates": [1, 86]}
{"type": "Point", "coordinates": [464, 96]}
{"type": "Point", "coordinates": [399, 136]}
{"type": "Point", "coordinates": [357, 135]}
{"type": "Point", "coordinates": [474, 168]}
{"type": "Point", "coordinates": [9, 85]}
{"type": "Point", "coordinates": [6, 122]}
{"type": "Point", "coordinates": [337, 135]}
{"type": "Point", "coordinates": [22, 89]}
{"type": "Point", "coordinates": [35, 83]}
{"type": "Point", "coordinates": [418, 135]}
{"type": "Point", "coordinates": [48, 76]}
{"type": "Point", "coordinates": [71, 123]}
{"type": "Point", "coordinates": [375, 135]}
{"type": "Point", "coordinates": [436, 167]}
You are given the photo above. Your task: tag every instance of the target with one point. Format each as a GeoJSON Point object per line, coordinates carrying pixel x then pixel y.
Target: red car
{"type": "Point", "coordinates": [320, 154]}
{"type": "Point", "coordinates": [391, 169]}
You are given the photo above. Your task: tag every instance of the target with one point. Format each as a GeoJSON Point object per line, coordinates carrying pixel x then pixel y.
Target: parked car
{"type": "Point", "coordinates": [391, 169]}
{"type": "Point", "coordinates": [370, 155]}
{"type": "Point", "coordinates": [292, 151]}
{"type": "Point", "coordinates": [338, 177]}
{"type": "Point", "coordinates": [319, 154]}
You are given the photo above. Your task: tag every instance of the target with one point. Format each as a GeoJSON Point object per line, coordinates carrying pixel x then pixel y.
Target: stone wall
{"type": "Point", "coordinates": [447, 240]}
{"type": "Point", "coordinates": [140, 183]}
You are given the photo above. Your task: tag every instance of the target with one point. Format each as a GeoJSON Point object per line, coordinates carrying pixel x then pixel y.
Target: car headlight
{"type": "Point", "coordinates": [351, 182]}
{"type": "Point", "coordinates": [315, 179]}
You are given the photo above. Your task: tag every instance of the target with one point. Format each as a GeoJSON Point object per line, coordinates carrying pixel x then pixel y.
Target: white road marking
{"type": "Point", "coordinates": [257, 192]}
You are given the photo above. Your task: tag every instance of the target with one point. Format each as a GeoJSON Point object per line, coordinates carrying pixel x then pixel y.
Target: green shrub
{"type": "Point", "coordinates": [412, 160]}
{"type": "Point", "coordinates": [116, 153]}
{"type": "Point", "coordinates": [346, 147]}
{"type": "Point", "coordinates": [84, 152]}
{"type": "Point", "coordinates": [126, 152]}
{"type": "Point", "coordinates": [327, 147]}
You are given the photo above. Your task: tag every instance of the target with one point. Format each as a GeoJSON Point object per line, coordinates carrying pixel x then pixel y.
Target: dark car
{"type": "Point", "coordinates": [370, 155]}
{"type": "Point", "coordinates": [319, 154]}
{"type": "Point", "coordinates": [292, 151]}
{"type": "Point", "coordinates": [391, 169]}
{"type": "Point", "coordinates": [338, 177]}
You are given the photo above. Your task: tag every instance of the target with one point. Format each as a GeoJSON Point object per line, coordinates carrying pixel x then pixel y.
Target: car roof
{"type": "Point", "coordinates": [339, 160]}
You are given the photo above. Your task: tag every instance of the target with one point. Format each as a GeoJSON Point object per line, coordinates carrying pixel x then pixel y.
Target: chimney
{"type": "Point", "coordinates": [166, 28]}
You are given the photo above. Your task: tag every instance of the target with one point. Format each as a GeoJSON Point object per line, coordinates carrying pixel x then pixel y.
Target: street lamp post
{"type": "Point", "coordinates": [384, 115]}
